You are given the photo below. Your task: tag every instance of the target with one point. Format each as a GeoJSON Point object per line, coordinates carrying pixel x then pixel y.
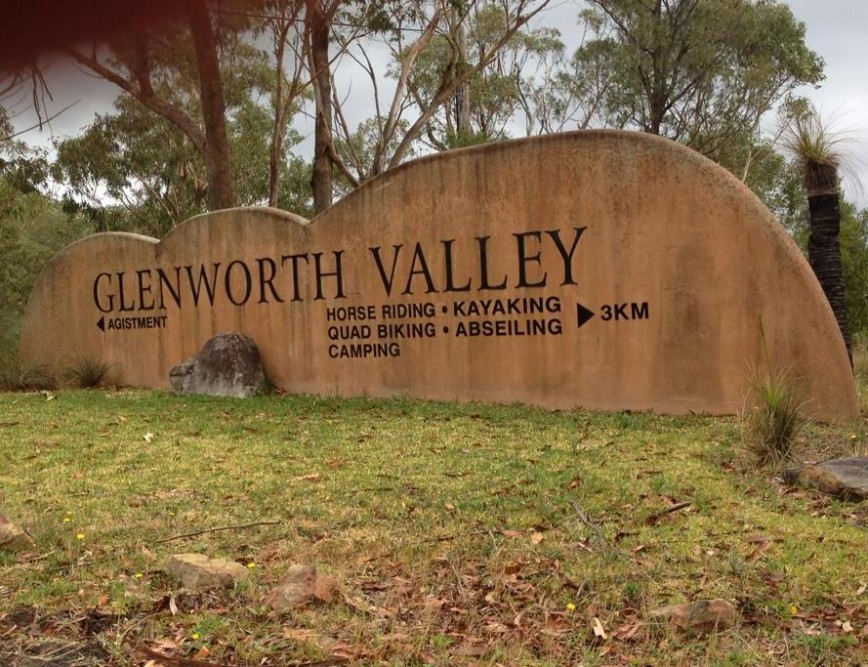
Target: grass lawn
{"type": "Point", "coordinates": [460, 534]}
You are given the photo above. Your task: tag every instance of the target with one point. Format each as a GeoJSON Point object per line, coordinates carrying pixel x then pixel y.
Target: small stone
{"type": "Point", "coordinates": [301, 585]}
{"type": "Point", "coordinates": [227, 365]}
{"type": "Point", "coordinates": [12, 538]}
{"type": "Point", "coordinates": [198, 572]}
{"type": "Point", "coordinates": [698, 616]}
{"type": "Point", "coordinates": [844, 478]}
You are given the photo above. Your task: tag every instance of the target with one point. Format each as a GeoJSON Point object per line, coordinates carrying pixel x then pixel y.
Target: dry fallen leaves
{"type": "Point", "coordinates": [628, 631]}
{"type": "Point", "coordinates": [597, 627]}
{"type": "Point", "coordinates": [761, 548]}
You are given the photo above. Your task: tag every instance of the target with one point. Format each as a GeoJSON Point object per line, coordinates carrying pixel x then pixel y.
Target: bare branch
{"type": "Point", "coordinates": [147, 96]}
{"type": "Point", "coordinates": [449, 87]}
{"type": "Point", "coordinates": [40, 123]}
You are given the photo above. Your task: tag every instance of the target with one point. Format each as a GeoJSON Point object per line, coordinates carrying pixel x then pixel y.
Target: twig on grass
{"type": "Point", "coordinates": [179, 661]}
{"type": "Point", "coordinates": [449, 538]}
{"type": "Point", "coordinates": [585, 519]}
{"type": "Point", "coordinates": [215, 530]}
{"type": "Point", "coordinates": [710, 536]}
{"type": "Point", "coordinates": [654, 518]}
{"type": "Point", "coordinates": [37, 557]}
{"type": "Point", "coordinates": [172, 661]}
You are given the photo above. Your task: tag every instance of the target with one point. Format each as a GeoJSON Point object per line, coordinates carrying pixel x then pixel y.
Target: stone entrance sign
{"type": "Point", "coordinates": [603, 269]}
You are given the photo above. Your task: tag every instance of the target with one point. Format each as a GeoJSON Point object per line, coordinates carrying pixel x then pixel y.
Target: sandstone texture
{"type": "Point", "coordinates": [198, 572]}
{"type": "Point", "coordinates": [601, 269]}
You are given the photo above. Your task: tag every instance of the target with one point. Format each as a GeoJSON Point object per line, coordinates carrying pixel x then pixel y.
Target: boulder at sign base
{"type": "Point", "coordinates": [227, 365]}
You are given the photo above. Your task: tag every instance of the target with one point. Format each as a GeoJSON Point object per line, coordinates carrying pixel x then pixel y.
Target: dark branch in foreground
{"type": "Point", "coordinates": [218, 529]}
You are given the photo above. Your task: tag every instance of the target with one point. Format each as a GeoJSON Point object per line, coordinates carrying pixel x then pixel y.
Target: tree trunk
{"type": "Point", "coordinates": [318, 34]}
{"type": "Point", "coordinates": [463, 127]}
{"type": "Point", "coordinates": [824, 255]}
{"type": "Point", "coordinates": [275, 153]}
{"type": "Point", "coordinates": [221, 187]}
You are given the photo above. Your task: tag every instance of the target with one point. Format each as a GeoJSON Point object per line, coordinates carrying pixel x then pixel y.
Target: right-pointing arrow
{"type": "Point", "coordinates": [583, 314]}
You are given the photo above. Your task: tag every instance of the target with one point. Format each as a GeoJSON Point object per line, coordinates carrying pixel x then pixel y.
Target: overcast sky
{"type": "Point", "coordinates": [836, 29]}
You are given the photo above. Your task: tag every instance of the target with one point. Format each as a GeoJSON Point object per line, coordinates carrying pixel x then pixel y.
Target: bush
{"type": "Point", "coordinates": [771, 426]}
{"type": "Point", "coordinates": [15, 377]}
{"type": "Point", "coordinates": [87, 371]}
{"type": "Point", "coordinates": [860, 357]}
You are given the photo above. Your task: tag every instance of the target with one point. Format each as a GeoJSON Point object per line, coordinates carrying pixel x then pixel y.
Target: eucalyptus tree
{"type": "Point", "coordinates": [197, 73]}
{"type": "Point", "coordinates": [176, 74]}
{"type": "Point", "coordinates": [129, 170]}
{"type": "Point", "coordinates": [437, 72]}
{"type": "Point", "coordinates": [702, 72]}
{"type": "Point", "coordinates": [492, 97]}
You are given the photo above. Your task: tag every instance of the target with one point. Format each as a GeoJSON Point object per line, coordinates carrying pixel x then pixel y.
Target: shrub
{"type": "Point", "coordinates": [860, 357]}
{"type": "Point", "coordinates": [15, 377]}
{"type": "Point", "coordinates": [771, 426]}
{"type": "Point", "coordinates": [87, 371]}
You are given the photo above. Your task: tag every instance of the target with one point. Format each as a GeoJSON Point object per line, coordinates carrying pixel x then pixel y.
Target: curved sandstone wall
{"type": "Point", "coordinates": [607, 270]}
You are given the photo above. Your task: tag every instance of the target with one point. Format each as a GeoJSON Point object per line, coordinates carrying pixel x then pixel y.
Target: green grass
{"type": "Point", "coordinates": [461, 534]}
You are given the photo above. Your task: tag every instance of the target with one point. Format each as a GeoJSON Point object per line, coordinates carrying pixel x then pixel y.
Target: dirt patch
{"type": "Point", "coordinates": [55, 653]}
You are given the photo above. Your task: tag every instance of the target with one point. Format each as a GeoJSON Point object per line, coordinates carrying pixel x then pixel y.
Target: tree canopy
{"type": "Point", "coordinates": [292, 103]}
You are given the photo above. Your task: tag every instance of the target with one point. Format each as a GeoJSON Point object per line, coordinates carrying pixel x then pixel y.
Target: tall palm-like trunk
{"type": "Point", "coordinates": [824, 252]}
{"type": "Point", "coordinates": [814, 147]}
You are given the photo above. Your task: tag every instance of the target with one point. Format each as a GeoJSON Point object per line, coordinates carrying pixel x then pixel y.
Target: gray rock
{"type": "Point", "coordinates": [227, 365]}
{"type": "Point", "coordinates": [197, 572]}
{"type": "Point", "coordinates": [12, 538]}
{"type": "Point", "coordinates": [845, 478]}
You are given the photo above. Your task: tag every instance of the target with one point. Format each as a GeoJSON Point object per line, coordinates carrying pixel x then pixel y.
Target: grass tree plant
{"type": "Point", "coordinates": [816, 149]}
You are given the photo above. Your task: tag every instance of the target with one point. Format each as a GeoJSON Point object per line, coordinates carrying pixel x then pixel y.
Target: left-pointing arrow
{"type": "Point", "coordinates": [101, 324]}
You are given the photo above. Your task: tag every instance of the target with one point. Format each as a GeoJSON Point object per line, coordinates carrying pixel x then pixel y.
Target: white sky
{"type": "Point", "coordinates": [835, 30]}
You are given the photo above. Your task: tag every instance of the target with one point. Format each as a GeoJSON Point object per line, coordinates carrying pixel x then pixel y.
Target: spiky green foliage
{"type": "Point", "coordinates": [87, 371]}
{"type": "Point", "coordinates": [771, 426]}
{"type": "Point", "coordinates": [816, 147]}
{"type": "Point", "coordinates": [16, 377]}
